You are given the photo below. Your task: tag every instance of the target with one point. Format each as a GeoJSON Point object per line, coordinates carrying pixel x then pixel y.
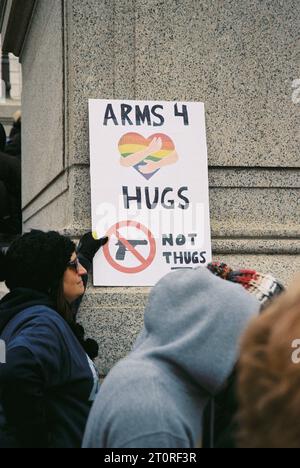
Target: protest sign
{"type": "Point", "coordinates": [149, 189]}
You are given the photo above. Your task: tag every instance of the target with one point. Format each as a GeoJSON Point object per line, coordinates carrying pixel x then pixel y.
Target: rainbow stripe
{"type": "Point", "coordinates": [134, 142]}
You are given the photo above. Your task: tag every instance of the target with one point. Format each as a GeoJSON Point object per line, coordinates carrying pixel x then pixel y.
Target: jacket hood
{"type": "Point", "coordinates": [18, 300]}
{"type": "Point", "coordinates": [194, 320]}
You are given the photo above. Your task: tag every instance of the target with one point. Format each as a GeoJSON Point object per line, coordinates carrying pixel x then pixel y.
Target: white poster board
{"type": "Point", "coordinates": [149, 189]}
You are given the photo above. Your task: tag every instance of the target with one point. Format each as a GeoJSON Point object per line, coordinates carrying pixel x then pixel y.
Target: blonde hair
{"type": "Point", "coordinates": [17, 116]}
{"type": "Point", "coordinates": [268, 379]}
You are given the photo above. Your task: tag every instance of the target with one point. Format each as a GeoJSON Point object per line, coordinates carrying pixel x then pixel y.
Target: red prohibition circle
{"type": "Point", "coordinates": [145, 262]}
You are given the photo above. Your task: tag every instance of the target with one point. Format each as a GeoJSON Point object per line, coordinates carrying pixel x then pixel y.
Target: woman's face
{"type": "Point", "coordinates": [73, 284]}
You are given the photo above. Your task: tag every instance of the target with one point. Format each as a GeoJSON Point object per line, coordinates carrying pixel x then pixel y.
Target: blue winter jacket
{"type": "Point", "coordinates": [48, 383]}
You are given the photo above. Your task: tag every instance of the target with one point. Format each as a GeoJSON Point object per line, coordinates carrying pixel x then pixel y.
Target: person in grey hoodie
{"type": "Point", "coordinates": [188, 348]}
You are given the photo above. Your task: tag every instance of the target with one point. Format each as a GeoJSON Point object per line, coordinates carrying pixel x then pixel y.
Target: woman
{"type": "Point", "coordinates": [48, 382]}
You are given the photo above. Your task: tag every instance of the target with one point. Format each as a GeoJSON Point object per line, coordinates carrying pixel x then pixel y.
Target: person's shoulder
{"type": "Point", "coordinates": [133, 405]}
{"type": "Point", "coordinates": [130, 383]}
{"type": "Point", "coordinates": [130, 369]}
{"type": "Point", "coordinates": [42, 315]}
{"type": "Point", "coordinates": [39, 323]}
{"type": "Point", "coordinates": [43, 332]}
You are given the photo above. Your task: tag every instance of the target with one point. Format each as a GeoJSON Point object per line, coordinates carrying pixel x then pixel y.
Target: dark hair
{"type": "Point", "coordinates": [64, 309]}
{"type": "Point", "coordinates": [61, 304]}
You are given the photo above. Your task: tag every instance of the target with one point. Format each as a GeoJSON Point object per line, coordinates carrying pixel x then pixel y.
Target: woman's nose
{"type": "Point", "coordinates": [82, 271]}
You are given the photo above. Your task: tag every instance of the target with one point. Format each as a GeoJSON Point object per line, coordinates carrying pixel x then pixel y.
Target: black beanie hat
{"type": "Point", "coordinates": [36, 260]}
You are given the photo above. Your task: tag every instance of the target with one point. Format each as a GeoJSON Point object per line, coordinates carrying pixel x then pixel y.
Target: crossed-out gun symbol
{"type": "Point", "coordinates": [121, 252]}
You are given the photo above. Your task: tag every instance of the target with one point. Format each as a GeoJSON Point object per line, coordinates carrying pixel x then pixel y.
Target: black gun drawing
{"type": "Point", "coordinates": [120, 255]}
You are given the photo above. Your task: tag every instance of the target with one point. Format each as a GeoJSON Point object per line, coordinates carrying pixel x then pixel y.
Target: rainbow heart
{"type": "Point", "coordinates": [137, 151]}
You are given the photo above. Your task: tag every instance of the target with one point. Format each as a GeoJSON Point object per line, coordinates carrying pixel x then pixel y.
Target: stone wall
{"type": "Point", "coordinates": [240, 58]}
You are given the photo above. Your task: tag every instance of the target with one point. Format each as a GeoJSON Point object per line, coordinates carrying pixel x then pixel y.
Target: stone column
{"type": "Point", "coordinates": [240, 58]}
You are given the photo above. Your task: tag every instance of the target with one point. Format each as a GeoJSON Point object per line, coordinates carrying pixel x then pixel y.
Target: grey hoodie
{"type": "Point", "coordinates": [156, 396]}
